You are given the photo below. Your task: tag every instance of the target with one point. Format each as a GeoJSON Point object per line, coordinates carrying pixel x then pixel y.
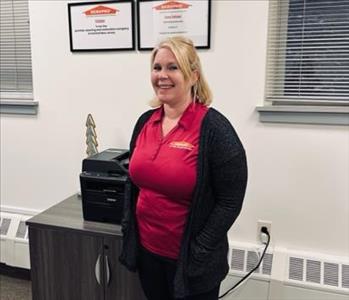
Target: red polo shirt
{"type": "Point", "coordinates": [164, 169]}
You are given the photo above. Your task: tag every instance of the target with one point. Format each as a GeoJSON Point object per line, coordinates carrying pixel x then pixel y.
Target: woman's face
{"type": "Point", "coordinates": [167, 79]}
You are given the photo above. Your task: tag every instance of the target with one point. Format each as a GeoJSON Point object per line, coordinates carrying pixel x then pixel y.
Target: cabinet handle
{"type": "Point", "coordinates": [107, 269]}
{"type": "Point", "coordinates": [98, 269]}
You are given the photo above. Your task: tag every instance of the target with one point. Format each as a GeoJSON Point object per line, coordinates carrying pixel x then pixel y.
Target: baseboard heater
{"type": "Point", "coordinates": [14, 240]}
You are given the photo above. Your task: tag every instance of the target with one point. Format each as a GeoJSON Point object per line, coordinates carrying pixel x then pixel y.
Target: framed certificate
{"type": "Point", "coordinates": [159, 19]}
{"type": "Point", "coordinates": [101, 26]}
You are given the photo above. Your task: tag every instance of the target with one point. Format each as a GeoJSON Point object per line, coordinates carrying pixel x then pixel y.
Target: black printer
{"type": "Point", "coordinates": [102, 183]}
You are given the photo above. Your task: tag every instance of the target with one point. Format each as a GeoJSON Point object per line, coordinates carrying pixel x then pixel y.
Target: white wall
{"type": "Point", "coordinates": [298, 174]}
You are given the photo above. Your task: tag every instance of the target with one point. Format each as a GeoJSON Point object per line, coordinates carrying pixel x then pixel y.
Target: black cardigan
{"type": "Point", "coordinates": [216, 203]}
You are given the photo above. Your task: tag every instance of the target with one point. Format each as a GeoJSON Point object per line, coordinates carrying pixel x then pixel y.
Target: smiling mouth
{"type": "Point", "coordinates": [165, 86]}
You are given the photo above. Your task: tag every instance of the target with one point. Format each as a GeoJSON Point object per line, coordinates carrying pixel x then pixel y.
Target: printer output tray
{"type": "Point", "coordinates": [102, 197]}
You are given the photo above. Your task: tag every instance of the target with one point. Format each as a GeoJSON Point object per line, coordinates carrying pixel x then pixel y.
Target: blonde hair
{"type": "Point", "coordinates": [189, 62]}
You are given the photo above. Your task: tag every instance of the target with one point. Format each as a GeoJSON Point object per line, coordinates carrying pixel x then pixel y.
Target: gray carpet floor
{"type": "Point", "coordinates": [14, 288]}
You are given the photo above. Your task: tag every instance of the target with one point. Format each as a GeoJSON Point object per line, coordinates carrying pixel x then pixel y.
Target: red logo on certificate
{"type": "Point", "coordinates": [101, 10]}
{"type": "Point", "coordinates": [172, 4]}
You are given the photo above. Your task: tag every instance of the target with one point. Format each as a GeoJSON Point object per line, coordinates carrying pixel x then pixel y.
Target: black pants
{"type": "Point", "coordinates": [156, 274]}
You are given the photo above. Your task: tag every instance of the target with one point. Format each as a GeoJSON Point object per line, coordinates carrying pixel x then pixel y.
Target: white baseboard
{"type": "Point", "coordinates": [19, 210]}
{"type": "Point", "coordinates": [262, 289]}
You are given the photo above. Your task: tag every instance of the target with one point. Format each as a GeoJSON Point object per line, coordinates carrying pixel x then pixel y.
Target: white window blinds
{"type": "Point", "coordinates": [15, 52]}
{"type": "Point", "coordinates": [308, 52]}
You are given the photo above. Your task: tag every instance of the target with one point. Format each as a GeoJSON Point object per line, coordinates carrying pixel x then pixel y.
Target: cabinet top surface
{"type": "Point", "coordinates": [68, 214]}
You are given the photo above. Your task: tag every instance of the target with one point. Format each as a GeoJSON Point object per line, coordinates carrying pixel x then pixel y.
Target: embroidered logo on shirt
{"type": "Point", "coordinates": [181, 145]}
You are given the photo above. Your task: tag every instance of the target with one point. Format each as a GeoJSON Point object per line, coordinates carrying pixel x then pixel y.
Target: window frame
{"type": "Point", "coordinates": [20, 101]}
{"type": "Point", "coordinates": [308, 112]}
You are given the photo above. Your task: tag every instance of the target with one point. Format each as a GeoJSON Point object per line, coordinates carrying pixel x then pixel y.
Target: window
{"type": "Point", "coordinates": [16, 89]}
{"type": "Point", "coordinates": [308, 62]}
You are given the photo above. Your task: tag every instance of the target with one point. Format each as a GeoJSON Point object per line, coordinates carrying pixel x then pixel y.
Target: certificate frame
{"type": "Point", "coordinates": [101, 25]}
{"type": "Point", "coordinates": [158, 19]}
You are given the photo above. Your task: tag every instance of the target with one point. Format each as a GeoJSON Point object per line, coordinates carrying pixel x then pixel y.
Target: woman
{"type": "Point", "coordinates": [188, 178]}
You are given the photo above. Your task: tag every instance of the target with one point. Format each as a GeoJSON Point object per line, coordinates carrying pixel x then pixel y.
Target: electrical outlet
{"type": "Point", "coordinates": [262, 236]}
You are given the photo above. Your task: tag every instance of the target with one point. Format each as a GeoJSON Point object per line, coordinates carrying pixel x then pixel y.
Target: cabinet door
{"type": "Point", "coordinates": [119, 282]}
{"type": "Point", "coordinates": [64, 265]}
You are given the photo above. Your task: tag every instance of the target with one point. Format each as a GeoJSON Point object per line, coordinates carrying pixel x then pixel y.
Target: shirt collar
{"type": "Point", "coordinates": [186, 119]}
{"type": "Point", "coordinates": [188, 116]}
{"type": "Point", "coordinates": [157, 115]}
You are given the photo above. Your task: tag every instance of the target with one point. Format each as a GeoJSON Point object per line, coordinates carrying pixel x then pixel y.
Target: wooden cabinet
{"type": "Point", "coordinates": [72, 259]}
